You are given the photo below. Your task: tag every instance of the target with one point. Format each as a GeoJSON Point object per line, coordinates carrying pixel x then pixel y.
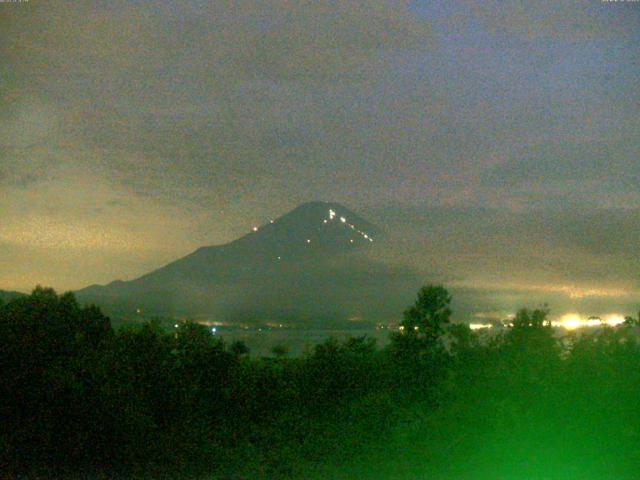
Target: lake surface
{"type": "Point", "coordinates": [298, 342]}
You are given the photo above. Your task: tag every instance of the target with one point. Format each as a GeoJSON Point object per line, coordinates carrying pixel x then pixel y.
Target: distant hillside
{"type": "Point", "coordinates": [314, 265]}
{"type": "Point", "coordinates": [6, 296]}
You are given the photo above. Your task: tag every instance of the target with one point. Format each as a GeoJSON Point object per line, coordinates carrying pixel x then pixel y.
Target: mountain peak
{"type": "Point", "coordinates": [289, 266]}
{"type": "Point", "coordinates": [312, 226]}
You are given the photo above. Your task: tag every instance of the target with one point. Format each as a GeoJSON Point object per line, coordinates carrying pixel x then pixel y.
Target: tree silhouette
{"type": "Point", "coordinates": [629, 320]}
{"type": "Point", "coordinates": [280, 351]}
{"type": "Point", "coordinates": [424, 322]}
{"type": "Point", "coordinates": [239, 348]}
{"type": "Point", "coordinates": [82, 401]}
{"type": "Point", "coordinates": [532, 331]}
{"type": "Point", "coordinates": [430, 313]}
{"type": "Point", "coordinates": [417, 349]}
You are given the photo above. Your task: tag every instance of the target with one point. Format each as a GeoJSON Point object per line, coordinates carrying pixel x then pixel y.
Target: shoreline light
{"type": "Point", "coordinates": [569, 321]}
{"type": "Point", "coordinates": [480, 326]}
{"type": "Point", "coordinates": [573, 321]}
{"type": "Point", "coordinates": [614, 319]}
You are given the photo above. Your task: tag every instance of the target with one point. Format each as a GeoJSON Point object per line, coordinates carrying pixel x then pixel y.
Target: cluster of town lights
{"type": "Point", "coordinates": [570, 321]}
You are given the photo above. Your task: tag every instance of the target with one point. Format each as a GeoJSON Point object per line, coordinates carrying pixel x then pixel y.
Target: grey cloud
{"type": "Point", "coordinates": [613, 232]}
{"type": "Point", "coordinates": [131, 47]}
{"type": "Point", "coordinates": [552, 246]}
{"type": "Point", "coordinates": [203, 95]}
{"type": "Point", "coordinates": [553, 163]}
{"type": "Point", "coordinates": [18, 169]}
{"type": "Point", "coordinates": [234, 112]}
{"type": "Point", "coordinates": [570, 20]}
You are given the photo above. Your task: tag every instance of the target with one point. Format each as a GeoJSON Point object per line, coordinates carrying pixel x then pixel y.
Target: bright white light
{"type": "Point", "coordinates": [308, 240]}
{"type": "Point", "coordinates": [479, 326]}
{"type": "Point", "coordinates": [366, 236]}
{"type": "Point", "coordinates": [279, 258]}
{"type": "Point", "coordinates": [593, 322]}
{"type": "Point", "coordinates": [343, 220]}
{"type": "Point", "coordinates": [614, 319]}
{"type": "Point", "coordinates": [571, 321]}
{"type": "Point", "coordinates": [176, 325]}
{"type": "Point", "coordinates": [331, 214]}
{"type": "Point", "coordinates": [324, 221]}
{"type": "Point", "coordinates": [351, 240]}
{"type": "Point", "coordinates": [255, 229]}
{"type": "Point", "coordinates": [214, 330]}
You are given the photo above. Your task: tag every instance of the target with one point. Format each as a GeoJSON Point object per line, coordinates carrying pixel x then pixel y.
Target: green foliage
{"type": "Point", "coordinates": [423, 324]}
{"type": "Point", "coordinates": [631, 321]}
{"type": "Point", "coordinates": [532, 338]}
{"type": "Point", "coordinates": [83, 401]}
{"type": "Point", "coordinates": [430, 314]}
{"type": "Point", "coordinates": [417, 352]}
{"type": "Point", "coordinates": [239, 348]}
{"type": "Point", "coordinates": [509, 411]}
{"type": "Point", "coordinates": [46, 376]}
{"type": "Point", "coordinates": [280, 351]}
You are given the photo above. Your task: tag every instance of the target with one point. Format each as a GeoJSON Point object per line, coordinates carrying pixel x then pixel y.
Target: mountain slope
{"type": "Point", "coordinates": [313, 265]}
{"type": "Point", "coordinates": [6, 296]}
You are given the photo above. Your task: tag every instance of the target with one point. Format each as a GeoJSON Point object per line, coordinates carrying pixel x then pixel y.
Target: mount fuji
{"type": "Point", "coordinates": [316, 265]}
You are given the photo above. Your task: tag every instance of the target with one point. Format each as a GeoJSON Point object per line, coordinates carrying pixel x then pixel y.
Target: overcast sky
{"type": "Point", "coordinates": [498, 142]}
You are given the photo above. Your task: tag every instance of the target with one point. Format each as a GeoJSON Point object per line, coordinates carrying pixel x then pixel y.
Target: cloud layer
{"type": "Point", "coordinates": [499, 138]}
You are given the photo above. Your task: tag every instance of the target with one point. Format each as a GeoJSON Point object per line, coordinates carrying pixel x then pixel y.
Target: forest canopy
{"type": "Point", "coordinates": [440, 401]}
